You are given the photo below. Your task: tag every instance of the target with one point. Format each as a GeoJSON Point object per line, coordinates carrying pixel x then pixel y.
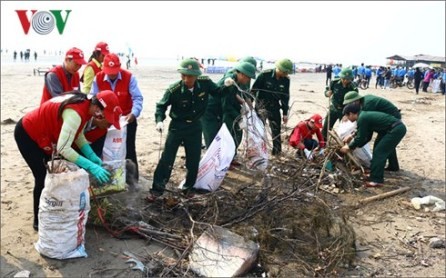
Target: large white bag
{"type": "Point", "coordinates": [63, 213]}
{"type": "Point", "coordinates": [254, 139]}
{"type": "Point", "coordinates": [115, 142]}
{"type": "Point", "coordinates": [363, 154]}
{"type": "Point", "coordinates": [436, 86]}
{"type": "Point", "coordinates": [215, 162]}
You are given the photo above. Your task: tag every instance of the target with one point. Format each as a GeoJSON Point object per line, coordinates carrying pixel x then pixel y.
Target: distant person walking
{"type": "Point", "coordinates": [35, 55]}
{"type": "Point", "coordinates": [14, 55]}
{"type": "Point", "coordinates": [329, 72]}
{"type": "Point", "coordinates": [417, 77]}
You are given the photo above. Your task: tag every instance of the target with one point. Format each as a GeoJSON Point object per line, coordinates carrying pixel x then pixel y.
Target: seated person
{"type": "Point", "coordinates": [302, 135]}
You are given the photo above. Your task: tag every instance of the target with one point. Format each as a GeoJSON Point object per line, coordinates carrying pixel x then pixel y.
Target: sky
{"type": "Point", "coordinates": [347, 32]}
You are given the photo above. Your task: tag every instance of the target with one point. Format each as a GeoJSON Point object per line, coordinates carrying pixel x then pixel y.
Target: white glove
{"type": "Point", "coordinates": [159, 127]}
{"type": "Point", "coordinates": [229, 82]}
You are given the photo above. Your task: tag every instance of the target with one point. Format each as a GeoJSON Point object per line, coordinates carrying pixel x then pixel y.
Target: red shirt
{"type": "Point", "coordinates": [43, 124]}
{"type": "Point", "coordinates": [302, 131]}
{"type": "Point", "coordinates": [121, 90]}
{"type": "Point", "coordinates": [74, 85]}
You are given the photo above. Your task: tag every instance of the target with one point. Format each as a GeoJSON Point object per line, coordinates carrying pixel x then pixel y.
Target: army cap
{"type": "Point", "coordinates": [351, 96]}
{"type": "Point", "coordinates": [250, 60]}
{"type": "Point", "coordinates": [247, 69]}
{"type": "Point", "coordinates": [189, 67]}
{"type": "Point", "coordinates": [285, 65]}
{"type": "Point", "coordinates": [346, 74]}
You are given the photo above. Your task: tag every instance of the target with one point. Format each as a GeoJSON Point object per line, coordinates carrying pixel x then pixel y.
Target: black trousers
{"type": "Point", "coordinates": [98, 145]}
{"type": "Point", "coordinates": [36, 159]}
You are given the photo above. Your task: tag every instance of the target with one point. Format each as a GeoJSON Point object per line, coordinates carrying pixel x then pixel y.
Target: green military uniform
{"type": "Point", "coordinates": [213, 116]}
{"type": "Point", "coordinates": [389, 128]}
{"type": "Point", "coordinates": [379, 104]}
{"type": "Point", "coordinates": [231, 110]}
{"type": "Point", "coordinates": [272, 94]}
{"type": "Point", "coordinates": [336, 105]}
{"type": "Point", "coordinates": [186, 110]}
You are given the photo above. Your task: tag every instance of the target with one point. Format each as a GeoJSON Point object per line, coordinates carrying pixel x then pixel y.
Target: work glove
{"type": "Point", "coordinates": [90, 154]}
{"type": "Point", "coordinates": [159, 126]}
{"type": "Point", "coordinates": [101, 174]}
{"type": "Point", "coordinates": [229, 82]}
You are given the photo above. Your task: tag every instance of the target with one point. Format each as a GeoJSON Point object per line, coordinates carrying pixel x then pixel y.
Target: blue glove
{"type": "Point", "coordinates": [101, 174]}
{"type": "Point", "coordinates": [90, 154]}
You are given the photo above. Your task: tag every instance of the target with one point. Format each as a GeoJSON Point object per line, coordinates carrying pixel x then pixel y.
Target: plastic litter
{"type": "Point", "coordinates": [428, 200]}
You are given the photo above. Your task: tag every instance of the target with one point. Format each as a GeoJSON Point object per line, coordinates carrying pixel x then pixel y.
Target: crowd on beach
{"type": "Point", "coordinates": [77, 110]}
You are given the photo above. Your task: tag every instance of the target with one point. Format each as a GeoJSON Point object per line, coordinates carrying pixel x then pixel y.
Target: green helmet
{"type": "Point", "coordinates": [250, 60]}
{"type": "Point", "coordinates": [351, 97]}
{"type": "Point", "coordinates": [346, 74]}
{"type": "Point", "coordinates": [247, 69]}
{"type": "Point", "coordinates": [189, 67]}
{"type": "Point", "coordinates": [285, 65]}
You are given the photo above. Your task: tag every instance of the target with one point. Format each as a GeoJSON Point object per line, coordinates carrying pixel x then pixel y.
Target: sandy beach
{"type": "Point", "coordinates": [421, 156]}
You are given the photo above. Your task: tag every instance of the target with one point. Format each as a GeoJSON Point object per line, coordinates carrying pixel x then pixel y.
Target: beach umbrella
{"type": "Point", "coordinates": [421, 65]}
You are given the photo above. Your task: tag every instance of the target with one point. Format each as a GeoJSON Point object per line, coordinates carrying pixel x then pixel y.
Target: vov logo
{"type": "Point", "coordinates": [43, 22]}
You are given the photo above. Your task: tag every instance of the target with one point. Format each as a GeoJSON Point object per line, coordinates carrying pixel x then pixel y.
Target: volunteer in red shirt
{"type": "Point", "coordinates": [56, 125]}
{"type": "Point", "coordinates": [94, 66]}
{"type": "Point", "coordinates": [123, 83]}
{"type": "Point", "coordinates": [65, 77]}
{"type": "Point", "coordinates": [302, 135]}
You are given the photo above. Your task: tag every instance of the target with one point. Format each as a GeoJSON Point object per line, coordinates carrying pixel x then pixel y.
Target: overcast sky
{"type": "Point", "coordinates": [343, 32]}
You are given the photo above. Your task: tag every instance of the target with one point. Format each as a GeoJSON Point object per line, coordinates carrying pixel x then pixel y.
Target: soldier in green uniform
{"type": "Point", "coordinates": [375, 103]}
{"type": "Point", "coordinates": [336, 91]}
{"type": "Point", "coordinates": [232, 99]}
{"type": "Point", "coordinates": [272, 91]}
{"type": "Point", "coordinates": [213, 116]}
{"type": "Point", "coordinates": [389, 128]}
{"type": "Point", "coordinates": [187, 99]}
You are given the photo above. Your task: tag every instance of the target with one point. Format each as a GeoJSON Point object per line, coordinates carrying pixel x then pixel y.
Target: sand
{"type": "Point", "coordinates": [381, 227]}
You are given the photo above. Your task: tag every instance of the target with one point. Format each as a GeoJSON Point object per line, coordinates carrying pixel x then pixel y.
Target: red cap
{"type": "Point", "coordinates": [317, 120]}
{"type": "Point", "coordinates": [103, 47]}
{"type": "Point", "coordinates": [111, 64]}
{"type": "Point", "coordinates": [77, 55]}
{"type": "Point", "coordinates": [112, 110]}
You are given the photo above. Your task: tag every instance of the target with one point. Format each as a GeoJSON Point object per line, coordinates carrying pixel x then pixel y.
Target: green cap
{"type": "Point", "coordinates": [250, 60]}
{"type": "Point", "coordinates": [247, 69]}
{"type": "Point", "coordinates": [189, 67]}
{"type": "Point", "coordinates": [346, 74]}
{"type": "Point", "coordinates": [351, 96]}
{"type": "Point", "coordinates": [285, 65]}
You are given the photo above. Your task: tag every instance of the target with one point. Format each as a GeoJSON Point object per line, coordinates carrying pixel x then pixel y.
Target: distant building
{"type": "Point", "coordinates": [409, 61]}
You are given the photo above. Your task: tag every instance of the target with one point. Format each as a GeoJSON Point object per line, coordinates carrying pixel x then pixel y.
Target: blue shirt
{"type": "Point", "coordinates": [134, 91]}
{"type": "Point", "coordinates": [368, 72]}
{"type": "Point", "coordinates": [336, 71]}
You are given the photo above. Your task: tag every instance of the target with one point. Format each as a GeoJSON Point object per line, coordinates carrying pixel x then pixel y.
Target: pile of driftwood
{"type": "Point", "coordinates": [283, 210]}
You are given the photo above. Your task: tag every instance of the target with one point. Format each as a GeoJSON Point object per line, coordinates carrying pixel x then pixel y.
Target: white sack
{"type": "Point", "coordinates": [63, 213]}
{"type": "Point", "coordinates": [115, 142]}
{"type": "Point", "coordinates": [215, 162]}
{"type": "Point", "coordinates": [363, 154]}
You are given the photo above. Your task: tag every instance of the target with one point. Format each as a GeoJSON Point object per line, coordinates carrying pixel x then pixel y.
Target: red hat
{"type": "Point", "coordinates": [111, 64]}
{"type": "Point", "coordinates": [77, 55]}
{"type": "Point", "coordinates": [317, 120]}
{"type": "Point", "coordinates": [112, 110]}
{"type": "Point", "coordinates": [103, 47]}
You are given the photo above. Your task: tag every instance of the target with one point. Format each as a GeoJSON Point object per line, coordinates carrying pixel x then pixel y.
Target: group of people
{"type": "Point", "coordinates": [200, 106]}
{"type": "Point", "coordinates": [372, 114]}
{"type": "Point", "coordinates": [76, 111]}
{"type": "Point", "coordinates": [72, 122]}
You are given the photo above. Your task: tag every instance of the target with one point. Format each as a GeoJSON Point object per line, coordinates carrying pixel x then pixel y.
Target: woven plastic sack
{"type": "Point", "coordinates": [63, 213]}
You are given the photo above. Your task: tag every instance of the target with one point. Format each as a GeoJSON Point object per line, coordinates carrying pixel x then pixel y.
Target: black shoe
{"type": "Point", "coordinates": [391, 169]}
